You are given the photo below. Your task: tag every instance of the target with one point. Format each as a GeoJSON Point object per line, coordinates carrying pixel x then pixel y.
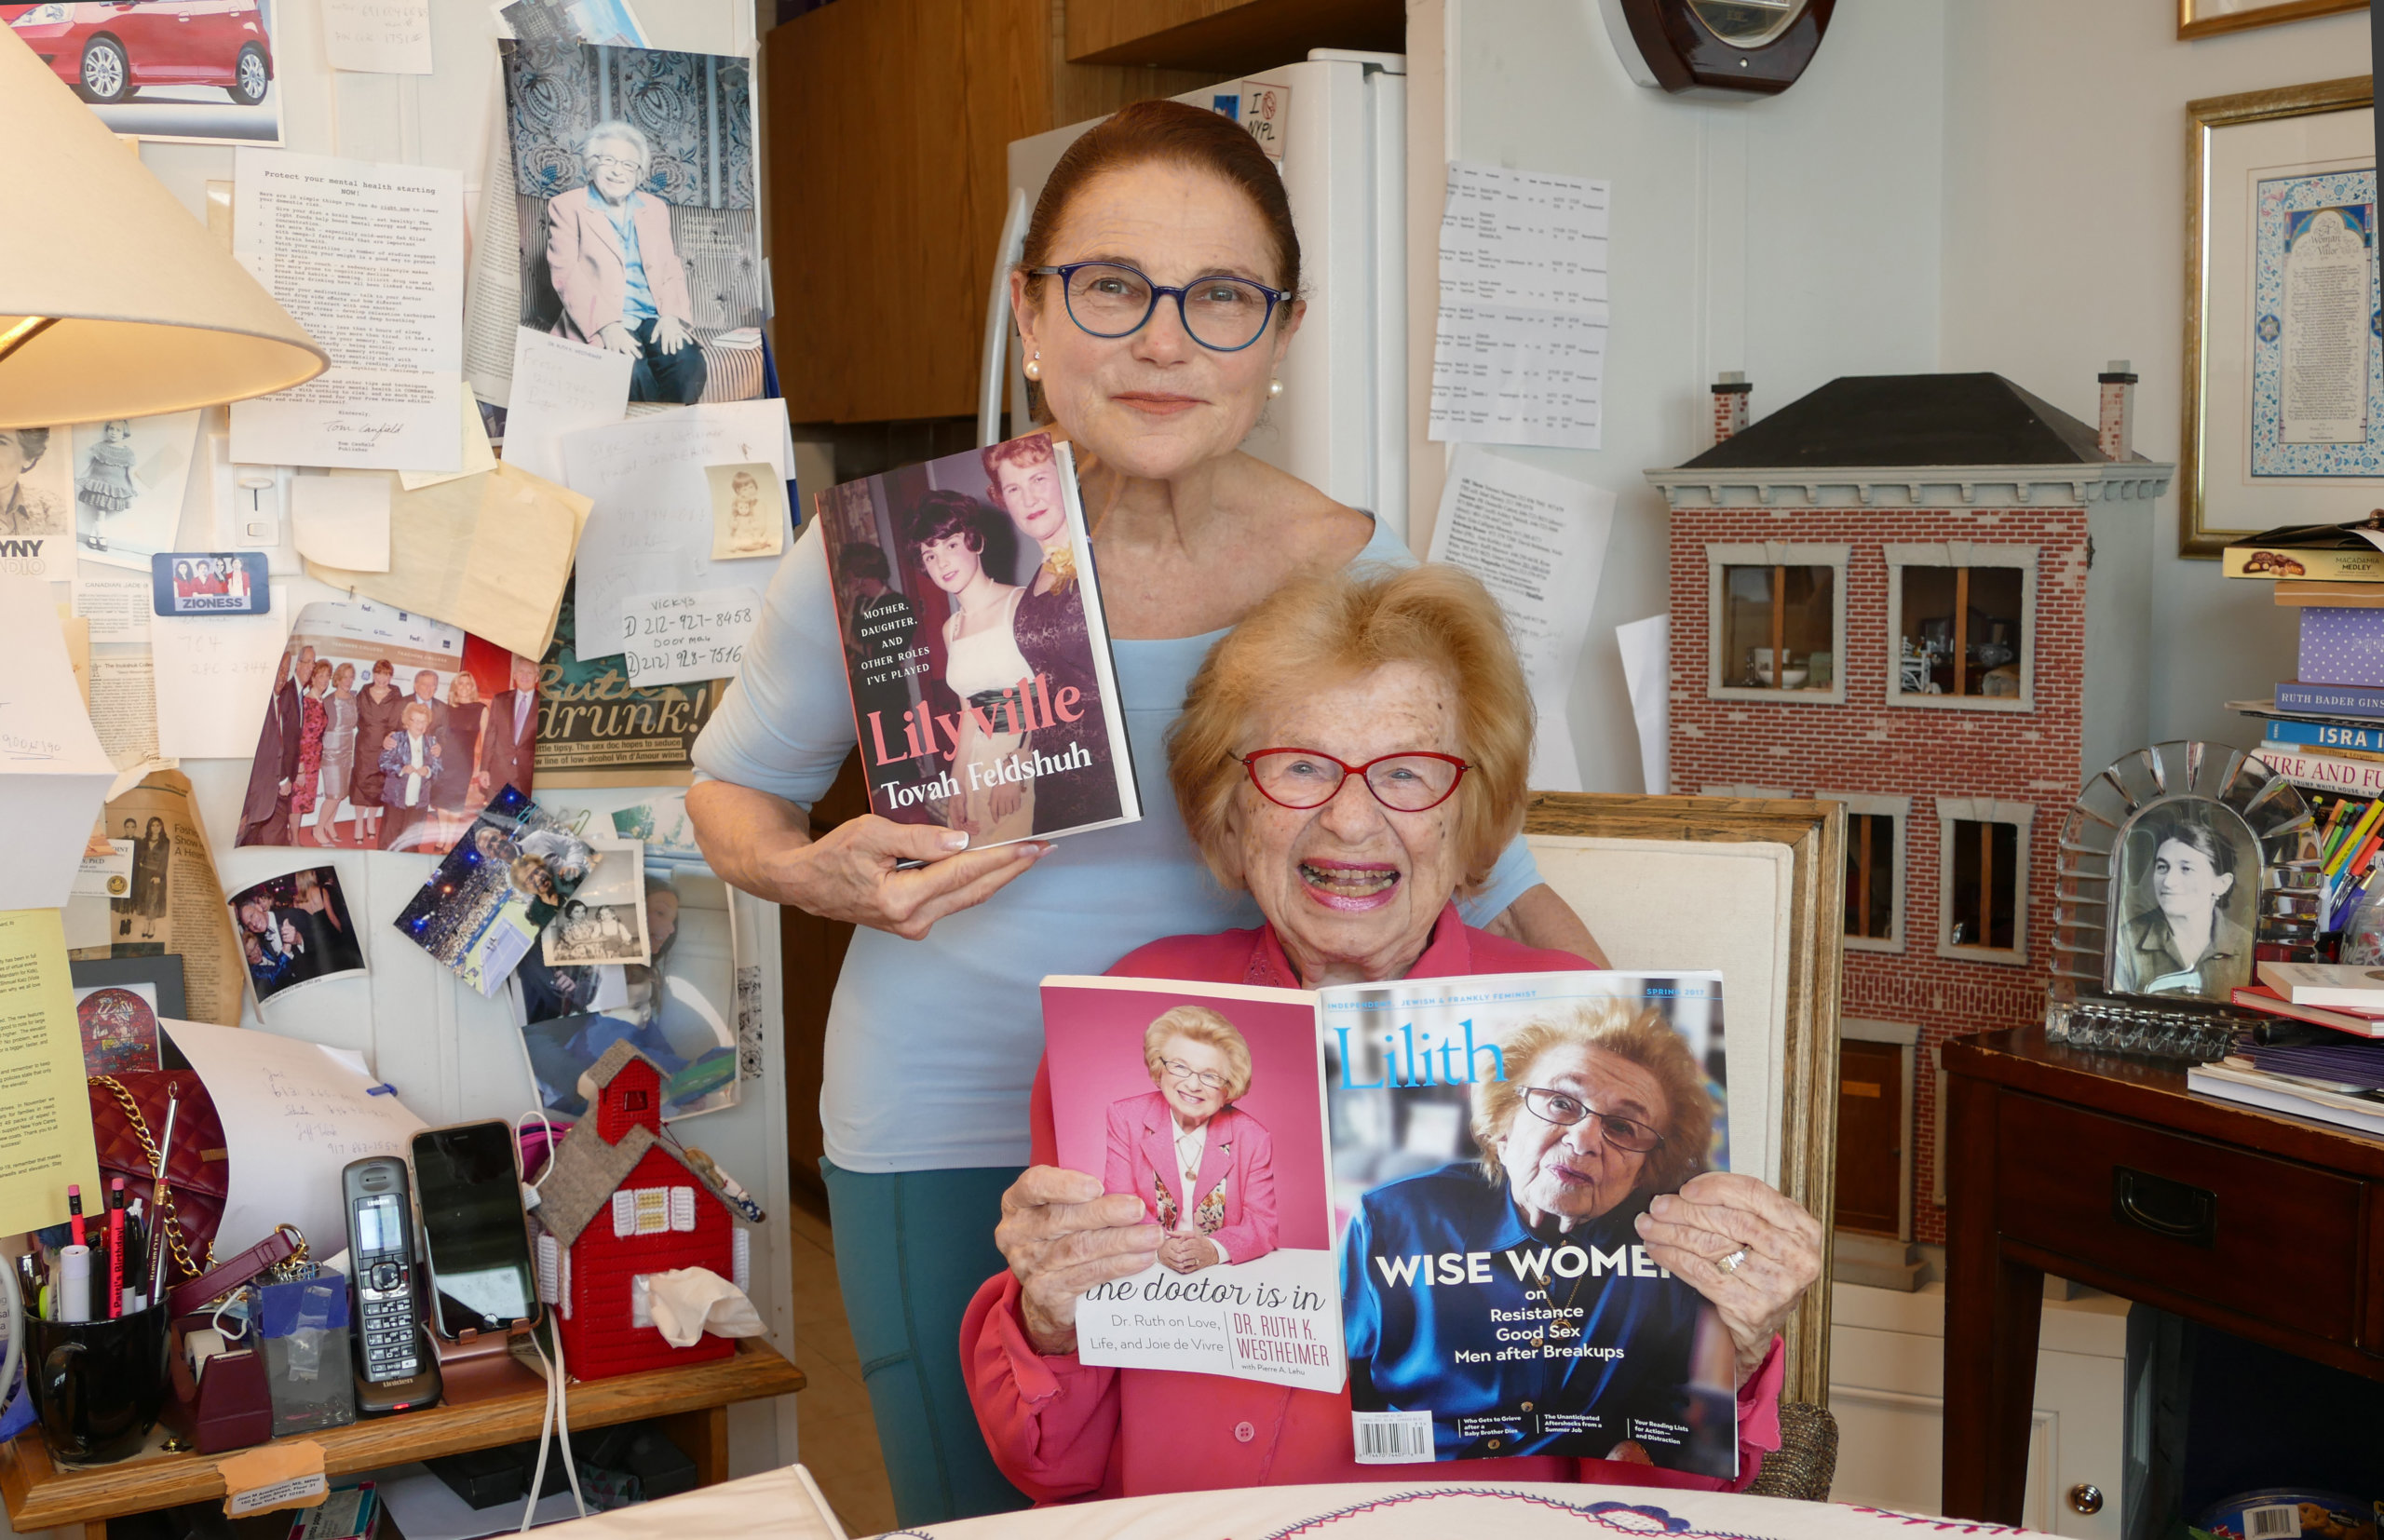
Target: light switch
{"type": "Point", "coordinates": [256, 508]}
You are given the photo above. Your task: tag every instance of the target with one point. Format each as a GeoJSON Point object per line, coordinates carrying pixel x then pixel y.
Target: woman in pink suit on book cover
{"type": "Point", "coordinates": [1203, 1168]}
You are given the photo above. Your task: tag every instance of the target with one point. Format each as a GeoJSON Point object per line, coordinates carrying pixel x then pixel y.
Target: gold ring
{"type": "Point", "coordinates": [1730, 1263]}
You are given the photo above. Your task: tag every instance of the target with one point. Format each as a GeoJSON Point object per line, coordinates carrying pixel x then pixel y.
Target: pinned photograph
{"type": "Point", "coordinates": [209, 583]}
{"type": "Point", "coordinates": [748, 511]}
{"type": "Point", "coordinates": [386, 731]}
{"type": "Point", "coordinates": [35, 500]}
{"type": "Point", "coordinates": [129, 476]}
{"type": "Point", "coordinates": [676, 1010]}
{"type": "Point", "coordinates": [634, 171]}
{"type": "Point", "coordinates": [539, 992]}
{"type": "Point", "coordinates": [201, 74]}
{"type": "Point", "coordinates": [605, 922]}
{"type": "Point", "coordinates": [505, 881]}
{"type": "Point", "coordinates": [295, 929]}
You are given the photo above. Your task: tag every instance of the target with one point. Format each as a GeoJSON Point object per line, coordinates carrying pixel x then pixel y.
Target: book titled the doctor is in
{"type": "Point", "coordinates": [1493, 1140]}
{"type": "Point", "coordinates": [969, 612]}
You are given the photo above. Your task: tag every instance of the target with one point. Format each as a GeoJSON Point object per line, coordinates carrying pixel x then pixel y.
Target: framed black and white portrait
{"type": "Point", "coordinates": [2187, 891]}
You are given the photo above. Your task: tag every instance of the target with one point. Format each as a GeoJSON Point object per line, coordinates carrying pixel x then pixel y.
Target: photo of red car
{"type": "Point", "coordinates": [108, 49]}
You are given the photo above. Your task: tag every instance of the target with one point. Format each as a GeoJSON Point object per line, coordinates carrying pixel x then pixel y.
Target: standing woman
{"type": "Point", "coordinates": [314, 721]}
{"type": "Point", "coordinates": [1023, 481]}
{"type": "Point", "coordinates": [377, 706]}
{"type": "Point", "coordinates": [1158, 298]}
{"type": "Point", "coordinates": [459, 742]}
{"type": "Point", "coordinates": [981, 661]}
{"type": "Point", "coordinates": [339, 751]}
{"type": "Point", "coordinates": [149, 876]}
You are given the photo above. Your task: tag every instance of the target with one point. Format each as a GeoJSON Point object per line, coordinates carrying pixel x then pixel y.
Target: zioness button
{"type": "Point", "coordinates": [1244, 1432]}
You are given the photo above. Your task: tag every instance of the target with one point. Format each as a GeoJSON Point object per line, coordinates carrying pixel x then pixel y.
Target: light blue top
{"type": "Point", "coordinates": [637, 300]}
{"type": "Point", "coordinates": [932, 1044]}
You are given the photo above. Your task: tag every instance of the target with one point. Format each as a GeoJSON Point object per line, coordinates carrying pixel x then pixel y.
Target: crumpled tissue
{"type": "Point", "coordinates": [691, 1301]}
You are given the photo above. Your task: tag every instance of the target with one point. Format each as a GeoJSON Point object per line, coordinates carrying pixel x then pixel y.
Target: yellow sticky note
{"type": "Point", "coordinates": [45, 1122]}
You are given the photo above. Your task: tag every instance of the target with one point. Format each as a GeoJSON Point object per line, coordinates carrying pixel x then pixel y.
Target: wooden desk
{"type": "Point", "coordinates": [692, 1404]}
{"type": "Point", "coordinates": [2107, 1171]}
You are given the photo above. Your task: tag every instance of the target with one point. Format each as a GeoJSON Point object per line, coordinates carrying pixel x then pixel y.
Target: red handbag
{"type": "Point", "coordinates": [127, 1118]}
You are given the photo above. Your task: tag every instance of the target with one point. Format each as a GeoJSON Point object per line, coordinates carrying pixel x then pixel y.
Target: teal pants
{"type": "Point", "coordinates": [912, 1247]}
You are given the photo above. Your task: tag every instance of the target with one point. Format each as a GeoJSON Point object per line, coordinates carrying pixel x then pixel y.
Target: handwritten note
{"type": "Point", "coordinates": [559, 387]}
{"type": "Point", "coordinates": [670, 638]}
{"type": "Point", "coordinates": [370, 257]}
{"type": "Point", "coordinates": [651, 528]}
{"type": "Point", "coordinates": [213, 674]}
{"type": "Point", "coordinates": [381, 36]}
{"type": "Point", "coordinates": [295, 1112]}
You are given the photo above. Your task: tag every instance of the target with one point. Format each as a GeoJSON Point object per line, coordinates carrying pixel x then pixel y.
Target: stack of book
{"type": "Point", "coordinates": [2324, 1058]}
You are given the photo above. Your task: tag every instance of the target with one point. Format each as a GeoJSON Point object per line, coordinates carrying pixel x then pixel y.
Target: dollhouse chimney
{"type": "Point", "coordinates": [1731, 393]}
{"type": "Point", "coordinates": [2117, 430]}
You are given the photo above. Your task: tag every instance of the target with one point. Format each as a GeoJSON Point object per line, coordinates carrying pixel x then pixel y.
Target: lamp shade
{"type": "Point", "coordinates": [114, 301]}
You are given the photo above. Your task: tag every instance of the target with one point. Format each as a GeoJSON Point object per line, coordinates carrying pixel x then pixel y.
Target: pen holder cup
{"type": "Point", "coordinates": [98, 1385]}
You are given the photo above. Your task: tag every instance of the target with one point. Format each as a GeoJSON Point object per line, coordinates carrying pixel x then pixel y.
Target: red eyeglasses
{"type": "Point", "coordinates": [1302, 779]}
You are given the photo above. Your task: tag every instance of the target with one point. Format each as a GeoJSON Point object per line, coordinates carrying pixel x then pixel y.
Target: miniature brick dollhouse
{"type": "Point", "coordinates": [1880, 596]}
{"type": "Point", "coordinates": [619, 1204]}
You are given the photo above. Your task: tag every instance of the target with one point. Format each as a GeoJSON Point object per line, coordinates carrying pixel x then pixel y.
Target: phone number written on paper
{"type": "Point", "coordinates": [674, 638]}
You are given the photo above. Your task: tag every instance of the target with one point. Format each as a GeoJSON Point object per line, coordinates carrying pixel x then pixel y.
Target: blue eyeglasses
{"type": "Point", "coordinates": [1109, 298]}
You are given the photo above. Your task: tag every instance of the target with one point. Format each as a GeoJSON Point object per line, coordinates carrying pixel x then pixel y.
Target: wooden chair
{"type": "Point", "coordinates": [1755, 888]}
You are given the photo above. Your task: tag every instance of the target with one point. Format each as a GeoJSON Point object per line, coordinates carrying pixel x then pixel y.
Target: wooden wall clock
{"type": "Point", "coordinates": [1738, 47]}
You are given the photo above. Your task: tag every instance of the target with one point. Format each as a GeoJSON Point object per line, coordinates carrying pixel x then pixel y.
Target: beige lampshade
{"type": "Point", "coordinates": [114, 301]}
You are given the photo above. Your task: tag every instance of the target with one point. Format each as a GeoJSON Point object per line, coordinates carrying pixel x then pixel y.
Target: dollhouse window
{"type": "Point", "coordinates": [1776, 615]}
{"type": "Point", "coordinates": [1962, 626]}
{"type": "Point", "coordinates": [1874, 830]}
{"type": "Point", "coordinates": [1983, 879]}
{"type": "Point", "coordinates": [634, 1101]}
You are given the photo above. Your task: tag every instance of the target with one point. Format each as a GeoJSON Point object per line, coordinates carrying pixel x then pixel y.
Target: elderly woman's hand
{"type": "Point", "coordinates": [617, 337]}
{"type": "Point", "coordinates": [1188, 1254]}
{"type": "Point", "coordinates": [669, 335]}
{"type": "Point", "coordinates": [1061, 1235]}
{"type": "Point", "coordinates": [1722, 1213]}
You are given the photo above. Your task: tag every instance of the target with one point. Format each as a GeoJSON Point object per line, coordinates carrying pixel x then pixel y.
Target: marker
{"type": "Point", "coordinates": [74, 1212]}
{"type": "Point", "coordinates": [116, 1247]}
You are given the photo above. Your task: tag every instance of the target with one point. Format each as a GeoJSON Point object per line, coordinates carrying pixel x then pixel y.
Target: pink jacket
{"type": "Point", "coordinates": [590, 270]}
{"type": "Point", "coordinates": [1239, 1154]}
{"type": "Point", "coordinates": [1060, 1429]}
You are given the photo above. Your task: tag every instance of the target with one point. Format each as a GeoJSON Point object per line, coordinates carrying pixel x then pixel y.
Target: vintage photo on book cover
{"type": "Point", "coordinates": [979, 660]}
{"type": "Point", "coordinates": [1493, 1140]}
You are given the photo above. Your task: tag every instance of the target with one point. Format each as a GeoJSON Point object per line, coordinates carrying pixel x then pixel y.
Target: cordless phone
{"type": "Point", "coordinates": [395, 1369]}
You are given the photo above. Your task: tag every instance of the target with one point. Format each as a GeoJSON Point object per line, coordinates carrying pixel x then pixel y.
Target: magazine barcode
{"type": "Point", "coordinates": [1399, 1437]}
{"type": "Point", "coordinates": [2276, 1521]}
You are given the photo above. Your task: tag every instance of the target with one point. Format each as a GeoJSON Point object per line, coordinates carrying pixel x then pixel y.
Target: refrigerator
{"type": "Point", "coordinates": [1341, 422]}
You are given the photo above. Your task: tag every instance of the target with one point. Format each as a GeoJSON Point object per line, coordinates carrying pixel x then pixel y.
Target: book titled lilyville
{"type": "Point", "coordinates": [983, 694]}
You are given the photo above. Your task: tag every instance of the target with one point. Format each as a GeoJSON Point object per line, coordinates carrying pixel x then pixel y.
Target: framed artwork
{"type": "Point", "coordinates": [2283, 371]}
{"type": "Point", "coordinates": [2210, 18]}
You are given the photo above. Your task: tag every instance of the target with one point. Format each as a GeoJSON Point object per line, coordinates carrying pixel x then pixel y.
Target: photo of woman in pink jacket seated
{"type": "Point", "coordinates": [1354, 755]}
{"type": "Point", "coordinates": [616, 272]}
{"type": "Point", "coordinates": [1203, 1168]}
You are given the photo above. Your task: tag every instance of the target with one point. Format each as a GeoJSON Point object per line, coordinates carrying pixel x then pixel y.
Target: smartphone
{"type": "Point", "coordinates": [395, 1367]}
{"type": "Point", "coordinates": [475, 1234]}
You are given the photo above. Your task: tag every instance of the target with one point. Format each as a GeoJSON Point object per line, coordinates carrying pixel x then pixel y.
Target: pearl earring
{"type": "Point", "coordinates": [1035, 367]}
{"type": "Point", "coordinates": [1274, 388]}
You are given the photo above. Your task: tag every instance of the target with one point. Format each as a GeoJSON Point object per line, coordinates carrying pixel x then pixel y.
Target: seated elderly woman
{"type": "Point", "coordinates": [1203, 1168]}
{"type": "Point", "coordinates": [1354, 753]}
{"type": "Point", "coordinates": [616, 272]}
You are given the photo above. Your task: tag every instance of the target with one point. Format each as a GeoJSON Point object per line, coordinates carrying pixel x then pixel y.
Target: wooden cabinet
{"type": "Point", "coordinates": [888, 129]}
{"type": "Point", "coordinates": [1230, 36]}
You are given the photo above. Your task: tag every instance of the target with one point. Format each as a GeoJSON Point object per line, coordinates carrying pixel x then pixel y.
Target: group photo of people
{"type": "Point", "coordinates": [214, 582]}
{"type": "Point", "coordinates": [387, 732]}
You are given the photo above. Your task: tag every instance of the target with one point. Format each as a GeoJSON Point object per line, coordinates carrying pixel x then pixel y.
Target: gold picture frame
{"type": "Point", "coordinates": [2203, 530]}
{"type": "Point", "coordinates": [1814, 835]}
{"type": "Point", "coordinates": [2204, 18]}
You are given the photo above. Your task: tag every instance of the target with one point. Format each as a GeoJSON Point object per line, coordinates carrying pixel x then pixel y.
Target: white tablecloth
{"type": "Point", "coordinates": [775, 1504]}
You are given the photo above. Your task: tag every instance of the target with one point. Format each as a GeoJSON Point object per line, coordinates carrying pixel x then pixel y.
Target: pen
{"type": "Point", "coordinates": [157, 1241]}
{"type": "Point", "coordinates": [136, 1248]}
{"type": "Point", "coordinates": [74, 1212]}
{"type": "Point", "coordinates": [116, 1247]}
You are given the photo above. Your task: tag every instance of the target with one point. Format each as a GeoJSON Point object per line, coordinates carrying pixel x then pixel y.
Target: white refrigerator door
{"type": "Point", "coordinates": [1340, 423]}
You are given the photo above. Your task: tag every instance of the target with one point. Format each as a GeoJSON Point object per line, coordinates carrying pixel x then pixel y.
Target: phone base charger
{"type": "Point", "coordinates": [481, 1366]}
